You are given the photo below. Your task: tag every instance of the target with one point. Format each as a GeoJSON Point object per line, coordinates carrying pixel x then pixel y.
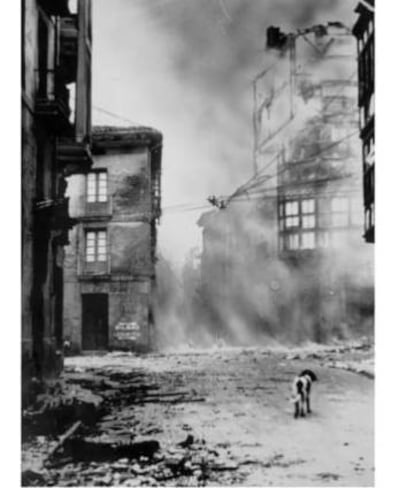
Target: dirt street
{"type": "Point", "coordinates": [230, 411]}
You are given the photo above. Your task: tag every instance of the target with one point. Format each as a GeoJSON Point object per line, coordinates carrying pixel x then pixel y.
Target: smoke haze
{"type": "Point", "coordinates": [185, 67]}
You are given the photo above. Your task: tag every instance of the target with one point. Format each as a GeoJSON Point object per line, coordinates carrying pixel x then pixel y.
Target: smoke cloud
{"type": "Point", "coordinates": [185, 67]}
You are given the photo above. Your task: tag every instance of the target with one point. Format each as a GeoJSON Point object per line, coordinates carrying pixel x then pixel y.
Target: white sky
{"type": "Point", "coordinates": [185, 68]}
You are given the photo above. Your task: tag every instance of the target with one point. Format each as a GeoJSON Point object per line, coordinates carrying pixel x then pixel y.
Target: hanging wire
{"type": "Point", "coordinates": [115, 116]}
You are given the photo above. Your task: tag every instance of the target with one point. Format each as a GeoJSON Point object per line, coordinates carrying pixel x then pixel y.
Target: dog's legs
{"type": "Point", "coordinates": [302, 404]}
{"type": "Point", "coordinates": [308, 409]}
{"type": "Point", "coordinates": [296, 410]}
{"type": "Point", "coordinates": [308, 399]}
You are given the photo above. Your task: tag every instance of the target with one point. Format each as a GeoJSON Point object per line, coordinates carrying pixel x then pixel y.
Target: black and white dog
{"type": "Point", "coordinates": [301, 390]}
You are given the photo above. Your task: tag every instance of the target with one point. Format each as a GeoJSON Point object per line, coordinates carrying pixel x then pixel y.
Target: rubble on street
{"type": "Point", "coordinates": [196, 418]}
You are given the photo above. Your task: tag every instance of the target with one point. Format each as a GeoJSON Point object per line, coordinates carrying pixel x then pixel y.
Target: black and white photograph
{"type": "Point", "coordinates": [197, 243]}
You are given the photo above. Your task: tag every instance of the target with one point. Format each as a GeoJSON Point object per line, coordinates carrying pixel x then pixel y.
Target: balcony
{"type": "Point", "coordinates": [74, 157]}
{"type": "Point", "coordinates": [52, 102]}
{"type": "Point", "coordinates": [95, 270]}
{"type": "Point", "coordinates": [97, 210]}
{"type": "Point", "coordinates": [53, 214]}
{"type": "Point", "coordinates": [73, 151]}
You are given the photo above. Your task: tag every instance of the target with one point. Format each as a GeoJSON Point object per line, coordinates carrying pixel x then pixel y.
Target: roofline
{"type": "Point", "coordinates": [106, 137]}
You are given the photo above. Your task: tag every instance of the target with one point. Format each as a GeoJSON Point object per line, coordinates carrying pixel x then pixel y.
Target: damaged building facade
{"type": "Point", "coordinates": [56, 61]}
{"type": "Point", "coordinates": [110, 262]}
{"type": "Point", "coordinates": [294, 248]}
{"type": "Point", "coordinates": [365, 35]}
{"type": "Point", "coordinates": [320, 223]}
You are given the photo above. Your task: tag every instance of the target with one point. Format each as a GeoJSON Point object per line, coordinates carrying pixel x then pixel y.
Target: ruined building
{"type": "Point", "coordinates": [319, 195]}
{"type": "Point", "coordinates": [364, 33]}
{"type": "Point", "coordinates": [289, 261]}
{"type": "Point", "coordinates": [320, 216]}
{"type": "Point", "coordinates": [110, 261]}
{"type": "Point", "coordinates": [56, 63]}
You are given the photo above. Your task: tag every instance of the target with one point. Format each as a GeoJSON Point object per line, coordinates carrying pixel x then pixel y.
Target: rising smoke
{"type": "Point", "coordinates": [242, 293]}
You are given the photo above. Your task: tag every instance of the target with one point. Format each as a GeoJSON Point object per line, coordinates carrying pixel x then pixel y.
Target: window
{"type": "Point", "coordinates": [371, 106]}
{"type": "Point", "coordinates": [308, 206]}
{"type": "Point", "coordinates": [308, 221]}
{"type": "Point", "coordinates": [95, 246]}
{"type": "Point", "coordinates": [292, 214]}
{"type": "Point", "coordinates": [292, 241]}
{"type": "Point", "coordinates": [292, 222]}
{"type": "Point", "coordinates": [97, 187]}
{"type": "Point", "coordinates": [292, 208]}
{"type": "Point", "coordinates": [369, 152]}
{"type": "Point", "coordinates": [369, 217]}
{"type": "Point", "coordinates": [370, 27]}
{"type": "Point", "coordinates": [308, 213]}
{"type": "Point", "coordinates": [308, 240]}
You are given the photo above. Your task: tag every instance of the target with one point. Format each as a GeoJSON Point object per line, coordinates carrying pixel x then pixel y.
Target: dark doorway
{"type": "Point", "coordinates": [94, 321]}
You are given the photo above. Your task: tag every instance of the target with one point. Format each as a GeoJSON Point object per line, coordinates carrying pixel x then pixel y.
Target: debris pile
{"type": "Point", "coordinates": [59, 406]}
{"type": "Point", "coordinates": [86, 430]}
{"type": "Point", "coordinates": [88, 461]}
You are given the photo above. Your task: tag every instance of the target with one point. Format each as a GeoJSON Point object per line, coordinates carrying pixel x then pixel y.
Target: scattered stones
{"type": "Point", "coordinates": [33, 478]}
{"type": "Point", "coordinates": [187, 442]}
{"type": "Point", "coordinates": [328, 476]}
